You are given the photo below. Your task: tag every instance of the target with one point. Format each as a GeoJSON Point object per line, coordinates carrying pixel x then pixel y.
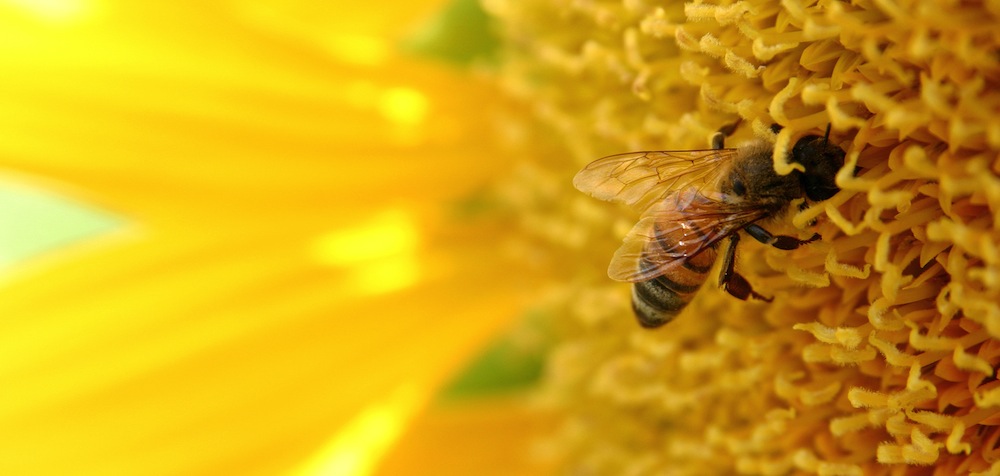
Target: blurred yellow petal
{"type": "Point", "coordinates": [152, 338]}
{"type": "Point", "coordinates": [496, 436]}
{"type": "Point", "coordinates": [227, 327]}
{"type": "Point", "coordinates": [361, 444]}
{"type": "Point", "coordinates": [56, 11]}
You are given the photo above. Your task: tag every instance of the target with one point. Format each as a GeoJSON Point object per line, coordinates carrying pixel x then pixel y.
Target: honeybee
{"type": "Point", "coordinates": [692, 200]}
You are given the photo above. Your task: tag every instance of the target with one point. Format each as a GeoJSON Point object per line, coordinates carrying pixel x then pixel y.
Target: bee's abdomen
{"type": "Point", "coordinates": [655, 304]}
{"type": "Point", "coordinates": [657, 301]}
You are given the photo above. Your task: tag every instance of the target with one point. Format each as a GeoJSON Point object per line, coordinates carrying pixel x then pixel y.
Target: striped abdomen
{"type": "Point", "coordinates": [657, 301]}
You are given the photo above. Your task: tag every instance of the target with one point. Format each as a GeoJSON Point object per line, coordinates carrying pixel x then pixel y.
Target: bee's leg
{"type": "Point", "coordinates": [781, 242]}
{"type": "Point", "coordinates": [730, 280]}
{"type": "Point", "coordinates": [719, 138]}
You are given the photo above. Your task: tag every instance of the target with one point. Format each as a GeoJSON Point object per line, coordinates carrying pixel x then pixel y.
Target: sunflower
{"type": "Point", "coordinates": [287, 237]}
{"type": "Point", "coordinates": [879, 352]}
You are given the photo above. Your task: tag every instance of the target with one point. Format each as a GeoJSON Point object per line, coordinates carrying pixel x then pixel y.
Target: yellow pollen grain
{"type": "Point", "coordinates": [843, 425]}
{"type": "Point", "coordinates": [862, 398]}
{"type": "Point", "coordinates": [924, 342]}
{"type": "Point", "coordinates": [971, 363]}
{"type": "Point", "coordinates": [987, 398]}
{"type": "Point", "coordinates": [820, 395]}
{"type": "Point", "coordinates": [836, 268]}
{"type": "Point", "coordinates": [847, 337]}
{"type": "Point", "coordinates": [893, 356]}
{"type": "Point", "coordinates": [954, 443]}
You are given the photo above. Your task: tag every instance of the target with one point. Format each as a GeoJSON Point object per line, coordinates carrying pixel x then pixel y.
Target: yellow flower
{"type": "Point", "coordinates": [287, 285]}
{"type": "Point", "coordinates": [879, 353]}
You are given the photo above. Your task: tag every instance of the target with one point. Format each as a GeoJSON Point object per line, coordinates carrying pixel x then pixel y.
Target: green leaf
{"type": "Point", "coordinates": [513, 362]}
{"type": "Point", "coordinates": [462, 33]}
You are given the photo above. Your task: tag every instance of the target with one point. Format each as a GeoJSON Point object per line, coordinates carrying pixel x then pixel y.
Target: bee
{"type": "Point", "coordinates": [691, 200]}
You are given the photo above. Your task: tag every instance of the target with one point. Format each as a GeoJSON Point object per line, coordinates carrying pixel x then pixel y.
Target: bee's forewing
{"type": "Point", "coordinates": [641, 179]}
{"type": "Point", "coordinates": [676, 229]}
{"type": "Point", "coordinates": [649, 249]}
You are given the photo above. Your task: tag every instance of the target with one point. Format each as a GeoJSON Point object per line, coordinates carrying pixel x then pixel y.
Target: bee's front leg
{"type": "Point", "coordinates": [733, 282]}
{"type": "Point", "coordinates": [781, 242]}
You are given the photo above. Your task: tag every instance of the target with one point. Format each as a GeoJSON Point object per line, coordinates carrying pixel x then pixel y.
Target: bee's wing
{"type": "Point", "coordinates": [641, 179]}
{"type": "Point", "coordinates": [675, 230]}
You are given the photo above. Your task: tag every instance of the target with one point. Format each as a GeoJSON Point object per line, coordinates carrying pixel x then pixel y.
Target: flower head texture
{"type": "Point", "coordinates": [879, 352]}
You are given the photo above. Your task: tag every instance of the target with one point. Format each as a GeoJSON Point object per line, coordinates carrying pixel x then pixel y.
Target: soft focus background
{"type": "Point", "coordinates": [249, 237]}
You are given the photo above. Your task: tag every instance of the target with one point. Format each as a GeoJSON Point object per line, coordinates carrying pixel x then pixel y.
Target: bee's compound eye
{"type": "Point", "coordinates": [738, 187]}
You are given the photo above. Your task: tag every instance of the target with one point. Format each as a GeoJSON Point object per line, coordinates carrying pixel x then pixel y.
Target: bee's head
{"type": "Point", "coordinates": [822, 160]}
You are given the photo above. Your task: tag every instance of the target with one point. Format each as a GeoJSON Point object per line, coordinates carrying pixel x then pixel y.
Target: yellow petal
{"type": "Point", "coordinates": [495, 436]}
{"type": "Point", "coordinates": [228, 328]}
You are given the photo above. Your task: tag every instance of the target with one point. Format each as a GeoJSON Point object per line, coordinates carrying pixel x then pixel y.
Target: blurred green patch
{"type": "Point", "coordinates": [33, 222]}
{"type": "Point", "coordinates": [513, 362]}
{"type": "Point", "coordinates": [461, 33]}
{"type": "Point", "coordinates": [480, 203]}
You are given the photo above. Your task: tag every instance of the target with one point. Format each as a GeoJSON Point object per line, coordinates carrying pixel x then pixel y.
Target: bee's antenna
{"type": "Point", "coordinates": [826, 137]}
